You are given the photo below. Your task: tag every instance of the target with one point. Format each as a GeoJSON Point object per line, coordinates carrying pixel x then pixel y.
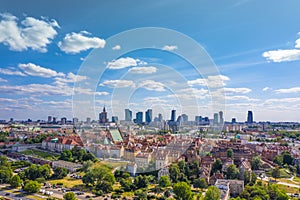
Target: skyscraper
{"type": "Point", "coordinates": [250, 117]}
{"type": "Point", "coordinates": [49, 119]}
{"type": "Point", "coordinates": [139, 117]}
{"type": "Point", "coordinates": [103, 116]}
{"type": "Point", "coordinates": [63, 120]}
{"type": "Point", "coordinates": [128, 115]}
{"type": "Point", "coordinates": [221, 117]}
{"type": "Point", "coordinates": [160, 117]}
{"type": "Point", "coordinates": [173, 115]}
{"type": "Point", "coordinates": [216, 118]}
{"type": "Point", "coordinates": [114, 119]}
{"type": "Point", "coordinates": [148, 115]}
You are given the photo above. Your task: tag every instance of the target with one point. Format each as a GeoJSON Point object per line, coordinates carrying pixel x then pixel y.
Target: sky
{"type": "Point", "coordinates": [68, 58]}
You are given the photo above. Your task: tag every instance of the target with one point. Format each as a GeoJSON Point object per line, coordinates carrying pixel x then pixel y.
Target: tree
{"type": "Point", "coordinates": [15, 181]}
{"type": "Point", "coordinates": [32, 186]}
{"type": "Point", "coordinates": [5, 175]}
{"type": "Point", "coordinates": [276, 173]}
{"type": "Point", "coordinates": [287, 158]}
{"type": "Point", "coordinates": [60, 172]}
{"type": "Point", "coordinates": [182, 191]}
{"type": "Point", "coordinates": [141, 181]}
{"type": "Point", "coordinates": [200, 183]}
{"type": "Point", "coordinates": [66, 155]}
{"type": "Point", "coordinates": [69, 196]}
{"type": "Point", "coordinates": [213, 193]}
{"type": "Point", "coordinates": [33, 172]}
{"type": "Point", "coordinates": [217, 166]}
{"type": "Point", "coordinates": [232, 172]}
{"type": "Point", "coordinates": [86, 165]}
{"type": "Point", "coordinates": [164, 181]}
{"type": "Point", "coordinates": [278, 160]}
{"type": "Point", "coordinates": [127, 184]}
{"type": "Point", "coordinates": [229, 153]}
{"type": "Point", "coordinates": [256, 163]}
{"type": "Point", "coordinates": [174, 172]}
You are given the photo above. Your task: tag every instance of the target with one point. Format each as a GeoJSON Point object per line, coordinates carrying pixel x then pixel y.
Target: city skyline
{"type": "Point", "coordinates": [257, 58]}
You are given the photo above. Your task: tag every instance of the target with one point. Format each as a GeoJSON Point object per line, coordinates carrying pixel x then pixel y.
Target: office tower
{"type": "Point", "coordinates": [103, 116]}
{"type": "Point", "coordinates": [216, 118]}
{"type": "Point", "coordinates": [179, 120]}
{"type": "Point", "coordinates": [88, 120]}
{"type": "Point", "coordinates": [139, 117]}
{"type": "Point", "coordinates": [173, 115]}
{"type": "Point", "coordinates": [49, 119]}
{"type": "Point", "coordinates": [233, 120]}
{"type": "Point", "coordinates": [148, 116]}
{"type": "Point", "coordinates": [115, 119]}
{"type": "Point", "coordinates": [54, 120]}
{"type": "Point", "coordinates": [185, 118]}
{"type": "Point", "coordinates": [75, 120]}
{"type": "Point", "coordinates": [128, 115]}
{"type": "Point", "coordinates": [221, 117]}
{"type": "Point", "coordinates": [160, 117]}
{"type": "Point", "coordinates": [250, 117]}
{"type": "Point", "coordinates": [63, 120]}
{"type": "Point", "coordinates": [198, 119]}
{"type": "Point", "coordinates": [11, 120]}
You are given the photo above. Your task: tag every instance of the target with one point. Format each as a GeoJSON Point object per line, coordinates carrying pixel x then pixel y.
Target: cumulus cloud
{"type": "Point", "coordinates": [11, 72]}
{"type": "Point", "coordinates": [152, 85]}
{"type": "Point", "coordinates": [30, 33]}
{"type": "Point", "coordinates": [282, 55]}
{"type": "Point", "coordinates": [211, 81]}
{"type": "Point", "coordinates": [76, 42]}
{"type": "Point", "coordinates": [70, 78]}
{"type": "Point", "coordinates": [283, 100]}
{"type": "Point", "coordinates": [117, 47]}
{"type": "Point", "coordinates": [143, 70]}
{"type": "Point", "coordinates": [170, 47]}
{"type": "Point", "coordinates": [36, 70]}
{"type": "Point", "coordinates": [266, 89]}
{"type": "Point", "coordinates": [288, 90]}
{"type": "Point", "coordinates": [237, 90]}
{"type": "Point", "coordinates": [122, 63]}
{"type": "Point", "coordinates": [3, 80]}
{"type": "Point", "coordinates": [118, 83]}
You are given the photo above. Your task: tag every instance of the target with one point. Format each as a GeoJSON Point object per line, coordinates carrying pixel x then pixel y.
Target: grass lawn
{"type": "Point", "coordinates": [283, 174]}
{"type": "Point", "coordinates": [288, 189]}
{"type": "Point", "coordinates": [40, 154]}
{"type": "Point", "coordinates": [297, 179]}
{"type": "Point", "coordinates": [288, 181]}
{"type": "Point", "coordinates": [68, 182]}
{"type": "Point", "coordinates": [127, 194]}
{"type": "Point", "coordinates": [34, 197]}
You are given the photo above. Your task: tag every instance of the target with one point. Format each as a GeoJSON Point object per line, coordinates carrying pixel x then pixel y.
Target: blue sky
{"type": "Point", "coordinates": [255, 45]}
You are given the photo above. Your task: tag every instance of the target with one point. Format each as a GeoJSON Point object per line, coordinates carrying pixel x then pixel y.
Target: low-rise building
{"type": "Point", "coordinates": [72, 167]}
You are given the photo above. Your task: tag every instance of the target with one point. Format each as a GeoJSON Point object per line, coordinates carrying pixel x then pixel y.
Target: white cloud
{"type": "Point", "coordinates": [117, 47]}
{"type": "Point", "coordinates": [77, 42]}
{"type": "Point", "coordinates": [11, 72]}
{"type": "Point", "coordinates": [118, 83]}
{"type": "Point", "coordinates": [239, 98]}
{"type": "Point", "coordinates": [124, 63]}
{"type": "Point", "coordinates": [170, 47]}
{"type": "Point", "coordinates": [237, 90]}
{"type": "Point", "coordinates": [36, 70]}
{"type": "Point", "coordinates": [152, 85]}
{"type": "Point", "coordinates": [266, 89]}
{"type": "Point", "coordinates": [283, 100]}
{"type": "Point", "coordinates": [3, 80]}
{"type": "Point", "coordinates": [143, 70]}
{"type": "Point", "coordinates": [155, 100]}
{"type": "Point", "coordinates": [210, 81]}
{"type": "Point", "coordinates": [288, 90]}
{"type": "Point", "coordinates": [282, 55]}
{"type": "Point", "coordinates": [297, 45]}
{"type": "Point", "coordinates": [31, 33]}
{"type": "Point", "coordinates": [70, 78]}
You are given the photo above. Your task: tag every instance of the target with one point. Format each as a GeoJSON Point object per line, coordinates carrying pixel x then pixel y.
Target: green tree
{"type": "Point", "coordinates": [164, 181]}
{"type": "Point", "coordinates": [278, 160]}
{"type": "Point", "coordinates": [66, 155]}
{"type": "Point", "coordinates": [276, 173]}
{"type": "Point", "coordinates": [127, 184]}
{"type": "Point", "coordinates": [212, 193]}
{"type": "Point", "coordinates": [229, 153]}
{"type": "Point", "coordinates": [256, 163]}
{"type": "Point", "coordinates": [87, 165]}
{"type": "Point", "coordinates": [217, 166]}
{"type": "Point", "coordinates": [5, 175]}
{"type": "Point", "coordinates": [200, 183]}
{"type": "Point", "coordinates": [60, 172]}
{"type": "Point", "coordinates": [70, 196]}
{"type": "Point", "coordinates": [287, 158]}
{"type": "Point", "coordinates": [232, 172]}
{"type": "Point", "coordinates": [174, 172]}
{"type": "Point", "coordinates": [182, 191]}
{"type": "Point", "coordinates": [15, 181]}
{"type": "Point", "coordinates": [32, 186]}
{"type": "Point", "coordinates": [141, 181]}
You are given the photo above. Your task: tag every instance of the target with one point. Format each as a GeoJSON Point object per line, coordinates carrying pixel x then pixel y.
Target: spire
{"type": "Point", "coordinates": [104, 109]}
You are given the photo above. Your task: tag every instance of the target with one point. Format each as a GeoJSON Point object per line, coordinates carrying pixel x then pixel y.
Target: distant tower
{"type": "Point", "coordinates": [250, 117]}
{"type": "Point", "coordinates": [185, 118]}
{"type": "Point", "coordinates": [173, 115]}
{"type": "Point", "coordinates": [88, 120]}
{"type": "Point", "coordinates": [103, 116]}
{"type": "Point", "coordinates": [221, 117]}
{"type": "Point", "coordinates": [139, 117]}
{"type": "Point", "coordinates": [148, 116]}
{"type": "Point", "coordinates": [233, 120]}
{"type": "Point", "coordinates": [160, 117]}
{"type": "Point", "coordinates": [128, 115]}
{"type": "Point", "coordinates": [49, 119]}
{"type": "Point", "coordinates": [115, 119]}
{"type": "Point", "coordinates": [216, 118]}
{"type": "Point", "coordinates": [63, 120]}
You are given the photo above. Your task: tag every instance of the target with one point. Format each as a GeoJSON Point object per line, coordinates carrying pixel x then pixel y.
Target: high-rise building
{"type": "Point", "coordinates": [185, 118]}
{"type": "Point", "coordinates": [128, 115]}
{"type": "Point", "coordinates": [160, 117]}
{"type": "Point", "coordinates": [139, 118]}
{"type": "Point", "coordinates": [221, 117]}
{"type": "Point", "coordinates": [198, 119]}
{"type": "Point", "coordinates": [216, 118]}
{"type": "Point", "coordinates": [115, 119]}
{"type": "Point", "coordinates": [233, 120]}
{"type": "Point", "coordinates": [63, 120]}
{"type": "Point", "coordinates": [49, 119]}
{"type": "Point", "coordinates": [148, 115]}
{"type": "Point", "coordinates": [103, 116]}
{"type": "Point", "coordinates": [88, 120]}
{"type": "Point", "coordinates": [173, 115]}
{"type": "Point", "coordinates": [75, 120]}
{"type": "Point", "coordinates": [54, 120]}
{"type": "Point", "coordinates": [250, 117]}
